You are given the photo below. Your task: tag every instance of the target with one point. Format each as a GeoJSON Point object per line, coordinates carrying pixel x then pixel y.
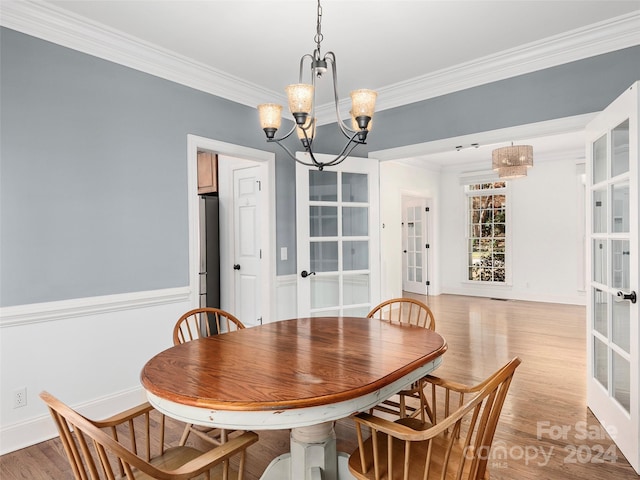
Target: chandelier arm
{"type": "Point", "coordinates": [348, 148]}
{"type": "Point", "coordinates": [343, 155]}
{"type": "Point", "coordinates": [291, 155]}
{"type": "Point", "coordinates": [346, 151]}
{"type": "Point", "coordinates": [300, 75]}
{"type": "Point", "coordinates": [346, 131]}
{"type": "Point", "coordinates": [287, 135]}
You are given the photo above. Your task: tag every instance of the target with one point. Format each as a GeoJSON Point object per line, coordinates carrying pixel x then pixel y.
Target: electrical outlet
{"type": "Point", "coordinates": [20, 397]}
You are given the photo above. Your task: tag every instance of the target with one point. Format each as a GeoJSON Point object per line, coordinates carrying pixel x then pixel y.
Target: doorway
{"type": "Point", "coordinates": [231, 159]}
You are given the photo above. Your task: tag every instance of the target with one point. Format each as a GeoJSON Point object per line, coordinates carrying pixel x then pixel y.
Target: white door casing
{"type": "Point", "coordinates": [231, 157]}
{"type": "Point", "coordinates": [613, 333]}
{"type": "Point", "coordinates": [338, 237]}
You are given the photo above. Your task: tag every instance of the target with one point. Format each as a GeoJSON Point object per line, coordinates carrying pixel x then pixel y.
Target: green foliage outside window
{"type": "Point", "coordinates": [487, 232]}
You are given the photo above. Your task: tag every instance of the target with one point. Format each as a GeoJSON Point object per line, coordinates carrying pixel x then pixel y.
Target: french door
{"type": "Point", "coordinates": [338, 240]}
{"type": "Point", "coordinates": [613, 334]}
{"type": "Point", "coordinates": [415, 245]}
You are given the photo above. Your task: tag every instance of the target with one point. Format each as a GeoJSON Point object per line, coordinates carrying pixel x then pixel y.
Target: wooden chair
{"type": "Point", "coordinates": [456, 447]}
{"type": "Point", "coordinates": [204, 322]}
{"type": "Point", "coordinates": [132, 445]}
{"type": "Point", "coordinates": [199, 323]}
{"type": "Point", "coordinates": [404, 311]}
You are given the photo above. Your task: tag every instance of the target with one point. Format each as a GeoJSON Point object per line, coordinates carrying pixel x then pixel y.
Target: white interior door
{"type": "Point", "coordinates": [414, 245]}
{"type": "Point", "coordinates": [613, 336]}
{"type": "Point", "coordinates": [247, 245]}
{"type": "Point", "coordinates": [338, 238]}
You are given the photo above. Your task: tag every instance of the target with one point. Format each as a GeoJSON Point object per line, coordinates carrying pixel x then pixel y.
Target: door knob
{"type": "Point", "coordinates": [236, 266]}
{"type": "Point", "coordinates": [628, 296]}
{"type": "Point", "coordinates": [305, 274]}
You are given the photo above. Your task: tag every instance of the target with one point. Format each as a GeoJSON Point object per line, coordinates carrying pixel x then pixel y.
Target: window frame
{"type": "Point", "coordinates": [470, 193]}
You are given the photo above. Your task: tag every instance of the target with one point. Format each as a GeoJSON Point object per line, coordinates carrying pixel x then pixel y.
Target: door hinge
{"type": "Point", "coordinates": [428, 282]}
{"type": "Point", "coordinates": [426, 209]}
{"type": "Point", "coordinates": [260, 254]}
{"type": "Point", "coordinates": [426, 246]}
{"type": "Point", "coordinates": [259, 185]}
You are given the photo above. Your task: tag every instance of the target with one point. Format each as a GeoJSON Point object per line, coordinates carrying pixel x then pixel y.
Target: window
{"type": "Point", "coordinates": [486, 232]}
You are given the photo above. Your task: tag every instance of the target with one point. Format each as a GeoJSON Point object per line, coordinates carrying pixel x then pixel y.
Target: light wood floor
{"type": "Point", "coordinates": [547, 395]}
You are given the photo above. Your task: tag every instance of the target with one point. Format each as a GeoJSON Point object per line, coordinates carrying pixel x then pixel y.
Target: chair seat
{"type": "Point", "coordinates": [175, 457]}
{"type": "Point", "coordinates": [418, 457]}
{"type": "Point", "coordinates": [172, 458]}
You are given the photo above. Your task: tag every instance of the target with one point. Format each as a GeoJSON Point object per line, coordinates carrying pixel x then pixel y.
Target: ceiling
{"type": "Point", "coordinates": [383, 45]}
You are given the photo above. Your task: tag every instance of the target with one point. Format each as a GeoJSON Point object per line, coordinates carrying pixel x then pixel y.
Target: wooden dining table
{"type": "Point", "coordinates": [300, 374]}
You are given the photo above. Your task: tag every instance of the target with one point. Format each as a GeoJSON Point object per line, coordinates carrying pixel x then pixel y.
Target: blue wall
{"type": "Point", "coordinates": [93, 186]}
{"type": "Point", "coordinates": [93, 167]}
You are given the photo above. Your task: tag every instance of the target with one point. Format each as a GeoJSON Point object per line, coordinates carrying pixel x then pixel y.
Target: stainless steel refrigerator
{"type": "Point", "coordinates": [209, 251]}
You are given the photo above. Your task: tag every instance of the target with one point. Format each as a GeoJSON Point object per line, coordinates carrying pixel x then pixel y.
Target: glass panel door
{"type": "Point", "coordinates": [415, 251]}
{"type": "Point", "coordinates": [338, 238]}
{"type": "Point", "coordinates": [612, 328]}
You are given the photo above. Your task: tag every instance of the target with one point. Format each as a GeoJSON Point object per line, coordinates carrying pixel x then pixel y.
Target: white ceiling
{"type": "Point", "coordinates": [378, 44]}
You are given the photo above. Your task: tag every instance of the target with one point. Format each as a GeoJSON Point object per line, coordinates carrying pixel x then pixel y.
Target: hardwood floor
{"type": "Point", "coordinates": [547, 397]}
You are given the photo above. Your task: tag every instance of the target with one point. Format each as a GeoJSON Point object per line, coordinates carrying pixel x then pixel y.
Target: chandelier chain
{"type": "Point", "coordinates": [318, 36]}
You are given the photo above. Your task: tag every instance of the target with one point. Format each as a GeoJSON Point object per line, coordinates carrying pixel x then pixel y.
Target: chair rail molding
{"type": "Point", "coordinates": [49, 311]}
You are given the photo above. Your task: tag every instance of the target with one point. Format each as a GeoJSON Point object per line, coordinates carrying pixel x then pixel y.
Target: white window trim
{"type": "Point", "coordinates": [508, 261]}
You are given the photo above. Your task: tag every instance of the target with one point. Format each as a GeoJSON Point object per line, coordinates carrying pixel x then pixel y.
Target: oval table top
{"type": "Point", "coordinates": [290, 364]}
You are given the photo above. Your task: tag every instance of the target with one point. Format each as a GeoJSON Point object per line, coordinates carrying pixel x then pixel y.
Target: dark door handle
{"type": "Point", "coordinates": [236, 266]}
{"type": "Point", "coordinates": [305, 274]}
{"type": "Point", "coordinates": [628, 296]}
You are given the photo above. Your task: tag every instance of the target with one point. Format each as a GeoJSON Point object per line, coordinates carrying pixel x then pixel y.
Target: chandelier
{"type": "Point", "coordinates": [302, 104]}
{"type": "Point", "coordinates": [512, 161]}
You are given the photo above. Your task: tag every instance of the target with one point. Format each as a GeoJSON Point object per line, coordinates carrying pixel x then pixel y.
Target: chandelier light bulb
{"type": "Point", "coordinates": [363, 102]}
{"type": "Point", "coordinates": [300, 97]}
{"type": "Point", "coordinates": [270, 115]}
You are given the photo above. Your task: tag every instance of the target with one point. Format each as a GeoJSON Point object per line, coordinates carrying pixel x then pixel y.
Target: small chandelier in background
{"type": "Point", "coordinates": [512, 161]}
{"type": "Point", "coordinates": [302, 104]}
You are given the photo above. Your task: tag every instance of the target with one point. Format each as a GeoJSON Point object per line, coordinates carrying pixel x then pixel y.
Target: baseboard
{"type": "Point", "coordinates": [578, 299]}
{"type": "Point", "coordinates": [39, 429]}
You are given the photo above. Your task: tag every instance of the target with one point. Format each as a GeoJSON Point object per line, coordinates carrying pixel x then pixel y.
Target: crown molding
{"type": "Point", "coordinates": [64, 28]}
{"type": "Point", "coordinates": [67, 29]}
{"type": "Point", "coordinates": [603, 37]}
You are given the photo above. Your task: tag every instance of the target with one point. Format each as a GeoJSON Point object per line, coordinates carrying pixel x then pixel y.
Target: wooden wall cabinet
{"type": "Point", "coordinates": [207, 172]}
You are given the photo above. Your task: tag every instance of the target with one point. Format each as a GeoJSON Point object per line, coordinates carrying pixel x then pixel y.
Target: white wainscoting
{"type": "Point", "coordinates": [89, 353]}
{"type": "Point", "coordinates": [286, 296]}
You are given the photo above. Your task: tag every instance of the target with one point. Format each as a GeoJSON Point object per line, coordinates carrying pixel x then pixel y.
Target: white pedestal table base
{"type": "Point", "coordinates": [313, 456]}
